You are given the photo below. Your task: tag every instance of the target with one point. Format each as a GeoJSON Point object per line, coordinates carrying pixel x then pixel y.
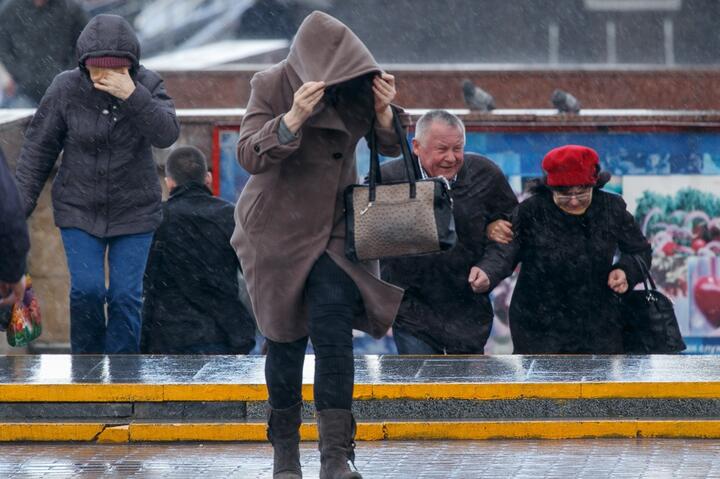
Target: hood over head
{"type": "Point", "coordinates": [108, 36]}
{"type": "Point", "coordinates": [325, 49]}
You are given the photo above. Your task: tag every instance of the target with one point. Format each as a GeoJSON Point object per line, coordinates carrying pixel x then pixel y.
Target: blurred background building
{"type": "Point", "coordinates": [558, 32]}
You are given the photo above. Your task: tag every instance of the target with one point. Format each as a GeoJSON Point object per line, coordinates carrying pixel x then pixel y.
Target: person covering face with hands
{"type": "Point", "coordinates": [115, 81]}
{"type": "Point", "coordinates": [304, 119]}
{"type": "Point", "coordinates": [105, 116]}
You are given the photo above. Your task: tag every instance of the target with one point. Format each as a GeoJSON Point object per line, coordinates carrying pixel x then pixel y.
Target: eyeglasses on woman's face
{"type": "Point", "coordinates": [565, 196]}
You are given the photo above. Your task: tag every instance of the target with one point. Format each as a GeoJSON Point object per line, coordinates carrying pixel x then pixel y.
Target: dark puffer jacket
{"type": "Point", "coordinates": [107, 184]}
{"type": "Point", "coordinates": [562, 303]}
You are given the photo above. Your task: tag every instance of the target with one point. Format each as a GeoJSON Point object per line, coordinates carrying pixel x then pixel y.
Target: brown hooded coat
{"type": "Point", "coordinates": [291, 210]}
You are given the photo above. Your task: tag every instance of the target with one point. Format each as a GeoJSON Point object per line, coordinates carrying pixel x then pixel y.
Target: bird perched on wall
{"type": "Point", "coordinates": [565, 102]}
{"type": "Point", "coordinates": [476, 98]}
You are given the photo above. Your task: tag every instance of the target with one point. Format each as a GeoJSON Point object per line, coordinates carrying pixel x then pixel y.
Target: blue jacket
{"type": "Point", "coordinates": [14, 239]}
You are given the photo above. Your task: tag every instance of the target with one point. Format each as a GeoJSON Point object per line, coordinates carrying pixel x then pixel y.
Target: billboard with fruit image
{"type": "Point", "coordinates": [680, 215]}
{"type": "Point", "coordinates": [669, 180]}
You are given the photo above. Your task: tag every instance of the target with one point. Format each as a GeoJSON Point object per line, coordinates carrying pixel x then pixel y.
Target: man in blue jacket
{"type": "Point", "coordinates": [14, 239]}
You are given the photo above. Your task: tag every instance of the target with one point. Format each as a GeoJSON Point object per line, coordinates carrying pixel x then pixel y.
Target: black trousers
{"type": "Point", "coordinates": [332, 299]}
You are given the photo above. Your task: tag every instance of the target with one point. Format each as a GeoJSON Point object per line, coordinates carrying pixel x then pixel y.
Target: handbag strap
{"type": "Point", "coordinates": [375, 177]}
{"type": "Point", "coordinates": [645, 273]}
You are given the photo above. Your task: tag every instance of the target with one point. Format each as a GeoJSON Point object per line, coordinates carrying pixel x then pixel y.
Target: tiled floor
{"type": "Point", "coordinates": [138, 369]}
{"type": "Point", "coordinates": [616, 458]}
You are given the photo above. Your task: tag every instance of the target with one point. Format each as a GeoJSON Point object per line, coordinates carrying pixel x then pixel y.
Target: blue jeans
{"type": "Point", "coordinates": [408, 344]}
{"type": "Point", "coordinates": [127, 255]}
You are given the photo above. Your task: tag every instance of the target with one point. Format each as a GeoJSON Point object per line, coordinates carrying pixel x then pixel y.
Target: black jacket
{"type": "Point", "coordinates": [107, 183]}
{"type": "Point", "coordinates": [14, 239]}
{"type": "Point", "coordinates": [561, 303]}
{"type": "Point", "coordinates": [37, 43]}
{"type": "Point", "coordinates": [191, 279]}
{"type": "Point", "coordinates": [439, 307]}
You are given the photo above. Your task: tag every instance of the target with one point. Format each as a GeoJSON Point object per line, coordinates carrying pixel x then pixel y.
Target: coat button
{"type": "Point", "coordinates": [256, 148]}
{"type": "Point", "coordinates": [337, 156]}
{"type": "Point", "coordinates": [105, 112]}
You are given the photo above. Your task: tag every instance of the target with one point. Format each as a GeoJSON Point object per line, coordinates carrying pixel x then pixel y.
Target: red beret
{"type": "Point", "coordinates": [571, 165]}
{"type": "Point", "coordinates": [108, 62]}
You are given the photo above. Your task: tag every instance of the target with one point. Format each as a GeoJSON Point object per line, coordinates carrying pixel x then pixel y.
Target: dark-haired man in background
{"type": "Point", "coordinates": [191, 295]}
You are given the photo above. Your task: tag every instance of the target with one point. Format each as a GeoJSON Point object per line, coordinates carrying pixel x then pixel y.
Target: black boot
{"type": "Point", "coordinates": [284, 434]}
{"type": "Point", "coordinates": [336, 428]}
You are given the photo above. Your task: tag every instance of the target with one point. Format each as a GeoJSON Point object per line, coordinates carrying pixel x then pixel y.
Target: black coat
{"type": "Point", "coordinates": [14, 239]}
{"type": "Point", "coordinates": [37, 43]}
{"type": "Point", "coordinates": [107, 184]}
{"type": "Point", "coordinates": [191, 279]}
{"type": "Point", "coordinates": [561, 303]}
{"type": "Point", "coordinates": [438, 306]}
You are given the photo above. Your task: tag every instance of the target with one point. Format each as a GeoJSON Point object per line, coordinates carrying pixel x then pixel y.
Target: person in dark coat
{"type": "Point", "coordinates": [191, 301]}
{"type": "Point", "coordinates": [298, 138]}
{"type": "Point", "coordinates": [14, 239]}
{"type": "Point", "coordinates": [37, 41]}
{"type": "Point", "coordinates": [105, 116]}
{"type": "Point", "coordinates": [565, 238]}
{"type": "Point", "coordinates": [440, 312]}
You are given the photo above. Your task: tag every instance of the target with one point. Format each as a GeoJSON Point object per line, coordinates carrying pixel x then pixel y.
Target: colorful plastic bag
{"type": "Point", "coordinates": [24, 322]}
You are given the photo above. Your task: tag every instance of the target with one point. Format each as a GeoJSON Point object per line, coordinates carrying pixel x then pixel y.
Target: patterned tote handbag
{"type": "Point", "coordinates": [405, 218]}
{"type": "Point", "coordinates": [650, 325]}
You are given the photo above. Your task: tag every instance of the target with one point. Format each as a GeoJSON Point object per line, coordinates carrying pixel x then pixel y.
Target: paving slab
{"type": "Point", "coordinates": [520, 459]}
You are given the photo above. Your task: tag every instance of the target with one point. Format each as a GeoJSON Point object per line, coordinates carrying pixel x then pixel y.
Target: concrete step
{"type": "Point", "coordinates": [462, 397]}
{"type": "Point", "coordinates": [252, 431]}
{"type": "Point", "coordinates": [368, 409]}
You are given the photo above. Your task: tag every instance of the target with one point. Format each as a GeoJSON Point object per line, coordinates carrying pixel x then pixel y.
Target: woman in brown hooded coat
{"type": "Point", "coordinates": [304, 119]}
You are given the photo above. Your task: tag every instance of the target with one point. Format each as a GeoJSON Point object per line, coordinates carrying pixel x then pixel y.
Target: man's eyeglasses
{"type": "Point", "coordinates": [582, 196]}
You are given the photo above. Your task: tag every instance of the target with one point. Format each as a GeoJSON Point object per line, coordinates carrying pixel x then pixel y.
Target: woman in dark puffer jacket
{"type": "Point", "coordinates": [104, 115]}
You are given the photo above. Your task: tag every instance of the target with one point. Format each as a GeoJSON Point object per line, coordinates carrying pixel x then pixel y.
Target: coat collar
{"type": "Point", "coordinates": [189, 189]}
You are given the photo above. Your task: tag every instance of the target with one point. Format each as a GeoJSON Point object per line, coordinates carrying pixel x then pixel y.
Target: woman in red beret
{"type": "Point", "coordinates": [566, 235]}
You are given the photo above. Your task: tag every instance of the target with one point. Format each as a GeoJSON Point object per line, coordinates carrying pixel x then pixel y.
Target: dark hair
{"type": "Point", "coordinates": [185, 164]}
{"type": "Point", "coordinates": [354, 97]}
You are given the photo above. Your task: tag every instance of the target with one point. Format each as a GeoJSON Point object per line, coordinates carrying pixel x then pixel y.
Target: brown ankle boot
{"type": "Point", "coordinates": [284, 434]}
{"type": "Point", "coordinates": [336, 428]}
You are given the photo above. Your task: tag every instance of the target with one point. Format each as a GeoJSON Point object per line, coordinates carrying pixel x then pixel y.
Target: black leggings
{"type": "Point", "coordinates": [331, 298]}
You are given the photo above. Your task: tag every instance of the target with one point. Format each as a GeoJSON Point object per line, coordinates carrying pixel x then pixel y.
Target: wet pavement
{"type": "Point", "coordinates": [378, 370]}
{"type": "Point", "coordinates": [615, 458]}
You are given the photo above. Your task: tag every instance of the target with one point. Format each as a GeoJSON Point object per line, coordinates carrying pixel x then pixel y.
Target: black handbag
{"type": "Point", "coordinates": [649, 322]}
{"type": "Point", "coordinates": [412, 217]}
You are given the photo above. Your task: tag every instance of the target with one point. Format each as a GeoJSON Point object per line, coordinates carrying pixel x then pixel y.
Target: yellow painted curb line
{"type": "Point", "coordinates": [415, 391]}
{"type": "Point", "coordinates": [114, 434]}
{"type": "Point", "coordinates": [366, 431]}
{"type": "Point", "coordinates": [11, 432]}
